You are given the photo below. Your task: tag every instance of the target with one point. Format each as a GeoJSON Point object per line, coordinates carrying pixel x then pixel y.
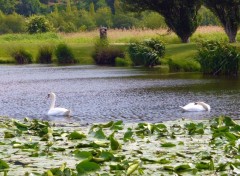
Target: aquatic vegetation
{"type": "Point", "coordinates": [34, 147]}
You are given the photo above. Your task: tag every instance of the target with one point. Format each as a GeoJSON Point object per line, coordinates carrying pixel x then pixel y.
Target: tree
{"type": "Point", "coordinates": [28, 7]}
{"type": "Point", "coordinates": [68, 8]}
{"type": "Point", "coordinates": [8, 6]}
{"type": "Point", "coordinates": [180, 15]}
{"type": "Point", "coordinates": [228, 12]}
{"type": "Point", "coordinates": [38, 24]}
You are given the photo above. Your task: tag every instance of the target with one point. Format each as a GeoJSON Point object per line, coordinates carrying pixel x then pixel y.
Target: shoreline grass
{"type": "Point", "coordinates": [82, 43]}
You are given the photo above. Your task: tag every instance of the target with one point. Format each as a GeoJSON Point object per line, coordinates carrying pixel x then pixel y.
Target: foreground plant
{"type": "Point", "coordinates": [218, 58]}
{"type": "Point", "coordinates": [33, 147]}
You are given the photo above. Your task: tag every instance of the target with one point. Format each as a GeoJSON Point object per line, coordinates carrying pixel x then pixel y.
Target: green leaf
{"type": "Point", "coordinates": [117, 125]}
{"type": "Point", "coordinates": [21, 126]}
{"type": "Point", "coordinates": [76, 135]}
{"type": "Point", "coordinates": [182, 168]}
{"type": "Point", "coordinates": [100, 134]}
{"type": "Point", "coordinates": [83, 154]}
{"type": "Point", "coordinates": [86, 167]}
{"type": "Point", "coordinates": [133, 167]}
{"type": "Point", "coordinates": [3, 165]}
{"type": "Point", "coordinates": [115, 145]}
{"type": "Point", "coordinates": [202, 166]}
{"type": "Point", "coordinates": [168, 168]}
{"type": "Point", "coordinates": [128, 135]}
{"type": "Point", "coordinates": [9, 134]}
{"type": "Point", "coordinates": [168, 144]}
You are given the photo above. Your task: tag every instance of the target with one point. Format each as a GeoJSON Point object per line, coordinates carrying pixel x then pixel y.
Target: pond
{"type": "Point", "coordinates": [100, 94]}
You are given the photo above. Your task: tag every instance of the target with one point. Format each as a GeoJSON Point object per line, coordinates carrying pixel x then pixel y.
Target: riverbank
{"type": "Point", "coordinates": [205, 147]}
{"type": "Point", "coordinates": [82, 44]}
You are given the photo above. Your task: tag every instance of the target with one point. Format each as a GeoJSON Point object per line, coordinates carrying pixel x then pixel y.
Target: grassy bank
{"type": "Point", "coordinates": [82, 43]}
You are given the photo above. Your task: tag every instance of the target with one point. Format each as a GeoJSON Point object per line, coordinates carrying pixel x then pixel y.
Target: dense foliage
{"type": "Point", "coordinates": [38, 24]}
{"type": "Point", "coordinates": [228, 12]}
{"type": "Point", "coordinates": [45, 54]}
{"type": "Point", "coordinates": [182, 147]}
{"type": "Point", "coordinates": [180, 16]}
{"type": "Point", "coordinates": [64, 54]}
{"type": "Point", "coordinates": [73, 16]}
{"type": "Point", "coordinates": [21, 56]}
{"type": "Point", "coordinates": [104, 54]}
{"type": "Point", "coordinates": [218, 58]}
{"type": "Point", "coordinates": [147, 53]}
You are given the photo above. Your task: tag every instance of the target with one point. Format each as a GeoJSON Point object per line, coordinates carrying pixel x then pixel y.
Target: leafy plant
{"type": "Point", "coordinates": [45, 55]}
{"type": "Point", "coordinates": [218, 58]}
{"type": "Point", "coordinates": [64, 54]}
{"type": "Point", "coordinates": [38, 24]}
{"type": "Point", "coordinates": [104, 54]}
{"type": "Point", "coordinates": [147, 53]}
{"type": "Point", "coordinates": [21, 56]}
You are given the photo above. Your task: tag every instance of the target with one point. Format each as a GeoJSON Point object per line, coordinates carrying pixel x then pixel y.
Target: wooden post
{"type": "Point", "coordinates": [103, 32]}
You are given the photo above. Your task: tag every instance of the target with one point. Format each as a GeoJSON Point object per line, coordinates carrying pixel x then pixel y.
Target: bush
{"type": "Point", "coordinates": [218, 58]}
{"type": "Point", "coordinates": [38, 24]}
{"type": "Point", "coordinates": [64, 55]}
{"type": "Point", "coordinates": [12, 23]}
{"type": "Point", "coordinates": [21, 56]}
{"type": "Point", "coordinates": [187, 65]}
{"type": "Point", "coordinates": [45, 55]}
{"type": "Point", "coordinates": [105, 54]}
{"type": "Point", "coordinates": [147, 53]}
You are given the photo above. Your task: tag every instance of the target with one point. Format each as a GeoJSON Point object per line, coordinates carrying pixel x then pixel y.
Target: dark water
{"type": "Point", "coordinates": [99, 94]}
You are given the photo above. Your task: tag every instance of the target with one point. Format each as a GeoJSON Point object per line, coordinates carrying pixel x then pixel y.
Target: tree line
{"type": "Point", "coordinates": [181, 16]}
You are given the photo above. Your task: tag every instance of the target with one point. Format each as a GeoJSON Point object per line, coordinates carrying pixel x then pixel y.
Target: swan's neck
{"type": "Point", "coordinates": [203, 105]}
{"type": "Point", "coordinates": [53, 102]}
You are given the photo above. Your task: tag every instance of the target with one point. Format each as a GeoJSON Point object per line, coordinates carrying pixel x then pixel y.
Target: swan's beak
{"type": "Point", "coordinates": [48, 95]}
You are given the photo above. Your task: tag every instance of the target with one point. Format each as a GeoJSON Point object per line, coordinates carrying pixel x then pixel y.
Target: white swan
{"type": "Point", "coordinates": [196, 106]}
{"type": "Point", "coordinates": [56, 111]}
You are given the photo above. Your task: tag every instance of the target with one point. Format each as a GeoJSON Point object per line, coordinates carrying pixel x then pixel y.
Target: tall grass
{"type": "Point", "coordinates": [82, 43]}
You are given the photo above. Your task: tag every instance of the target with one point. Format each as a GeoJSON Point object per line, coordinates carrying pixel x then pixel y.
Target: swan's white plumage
{"type": "Point", "coordinates": [196, 106]}
{"type": "Point", "coordinates": [56, 111]}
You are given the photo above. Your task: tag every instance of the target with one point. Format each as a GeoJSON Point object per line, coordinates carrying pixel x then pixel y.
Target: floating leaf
{"type": "Point", "coordinates": [100, 134]}
{"type": "Point", "coordinates": [132, 168]}
{"type": "Point", "coordinates": [168, 168]}
{"type": "Point", "coordinates": [21, 126]}
{"type": "Point", "coordinates": [182, 168]}
{"type": "Point", "coordinates": [115, 145]}
{"type": "Point", "coordinates": [128, 135]}
{"type": "Point", "coordinates": [76, 135]}
{"type": "Point", "coordinates": [87, 166]}
{"type": "Point", "coordinates": [83, 155]}
{"type": "Point", "coordinates": [117, 125]}
{"type": "Point", "coordinates": [9, 134]}
{"type": "Point", "coordinates": [195, 128]}
{"type": "Point", "coordinates": [168, 144]}
{"type": "Point", "coordinates": [3, 165]}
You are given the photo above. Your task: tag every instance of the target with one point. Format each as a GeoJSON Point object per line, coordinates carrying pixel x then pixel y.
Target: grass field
{"type": "Point", "coordinates": [82, 43]}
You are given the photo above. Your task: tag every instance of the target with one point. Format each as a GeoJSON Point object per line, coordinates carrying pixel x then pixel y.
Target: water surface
{"type": "Point", "coordinates": [100, 94]}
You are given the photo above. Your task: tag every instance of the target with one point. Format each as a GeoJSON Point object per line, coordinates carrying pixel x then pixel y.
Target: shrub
{"type": "Point", "coordinates": [38, 24]}
{"type": "Point", "coordinates": [147, 53]}
{"type": "Point", "coordinates": [21, 56]}
{"type": "Point", "coordinates": [105, 54]}
{"type": "Point", "coordinates": [187, 65]}
{"type": "Point", "coordinates": [45, 55]}
{"type": "Point", "coordinates": [12, 23]}
{"type": "Point", "coordinates": [64, 55]}
{"type": "Point", "coordinates": [218, 58]}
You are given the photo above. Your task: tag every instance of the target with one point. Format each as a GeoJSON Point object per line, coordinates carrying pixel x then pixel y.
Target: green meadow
{"type": "Point", "coordinates": [82, 44]}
